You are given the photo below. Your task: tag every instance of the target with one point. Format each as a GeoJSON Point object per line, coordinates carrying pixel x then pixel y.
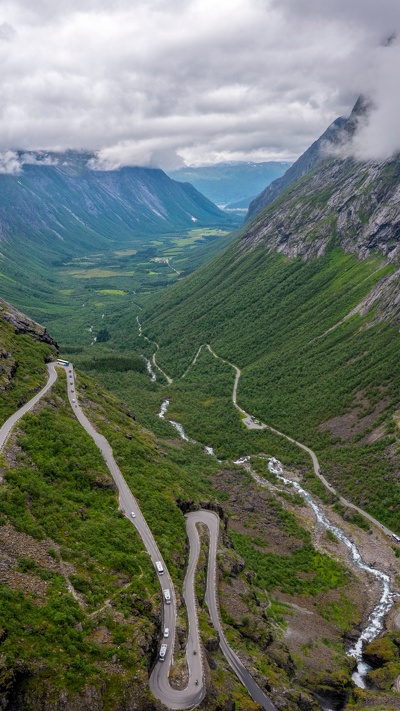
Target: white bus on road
{"type": "Point", "coordinates": [159, 567]}
{"type": "Point", "coordinates": [167, 596]}
{"type": "Point", "coordinates": [163, 651]}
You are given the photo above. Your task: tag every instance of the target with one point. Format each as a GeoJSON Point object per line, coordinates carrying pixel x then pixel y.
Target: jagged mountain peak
{"type": "Point", "coordinates": [337, 134]}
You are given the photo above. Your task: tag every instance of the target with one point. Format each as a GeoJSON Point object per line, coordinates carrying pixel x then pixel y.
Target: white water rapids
{"type": "Point", "coordinates": [177, 425]}
{"type": "Point", "coordinates": [150, 371]}
{"type": "Point", "coordinates": [375, 623]}
{"type": "Point", "coordinates": [376, 618]}
{"type": "Point", "coordinates": [179, 428]}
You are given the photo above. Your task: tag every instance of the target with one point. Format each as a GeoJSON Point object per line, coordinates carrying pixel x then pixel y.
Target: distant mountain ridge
{"type": "Point", "coordinates": [231, 182]}
{"type": "Point", "coordinates": [64, 206]}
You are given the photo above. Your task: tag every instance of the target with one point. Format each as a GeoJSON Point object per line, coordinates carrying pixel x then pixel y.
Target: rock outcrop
{"type": "Point", "coordinates": [337, 133]}
{"type": "Point", "coordinates": [23, 324]}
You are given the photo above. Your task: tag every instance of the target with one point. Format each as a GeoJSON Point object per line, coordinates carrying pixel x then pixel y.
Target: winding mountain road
{"type": "Point", "coordinates": [251, 423]}
{"type": "Point", "coordinates": [211, 520]}
{"type": "Point", "coordinates": [159, 683]}
{"type": "Point", "coordinates": [153, 357]}
{"type": "Point", "coordinates": [6, 428]}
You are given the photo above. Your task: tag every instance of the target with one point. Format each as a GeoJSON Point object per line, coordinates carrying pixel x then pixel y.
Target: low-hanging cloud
{"type": "Point", "coordinates": [11, 162]}
{"type": "Point", "coordinates": [155, 83]}
{"type": "Point", "coordinates": [378, 136]}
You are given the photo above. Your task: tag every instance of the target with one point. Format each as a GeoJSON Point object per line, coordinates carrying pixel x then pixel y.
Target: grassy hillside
{"type": "Point", "coordinates": [333, 385]}
{"type": "Point", "coordinates": [79, 614]}
{"type": "Point", "coordinates": [22, 358]}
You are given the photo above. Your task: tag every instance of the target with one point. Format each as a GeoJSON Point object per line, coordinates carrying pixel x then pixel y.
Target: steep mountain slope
{"type": "Point", "coordinates": [225, 183]}
{"type": "Point", "coordinates": [355, 204]}
{"type": "Point", "coordinates": [339, 131]}
{"type": "Point", "coordinates": [67, 208]}
{"type": "Point", "coordinates": [24, 347]}
{"type": "Point", "coordinates": [79, 603]}
{"type": "Point", "coordinates": [306, 303]}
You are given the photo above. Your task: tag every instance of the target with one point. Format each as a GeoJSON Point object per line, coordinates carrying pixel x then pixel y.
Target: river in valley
{"type": "Point", "coordinates": [376, 619]}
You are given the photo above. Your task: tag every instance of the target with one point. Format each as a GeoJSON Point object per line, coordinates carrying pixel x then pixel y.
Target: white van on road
{"type": "Point", "coordinates": [167, 596]}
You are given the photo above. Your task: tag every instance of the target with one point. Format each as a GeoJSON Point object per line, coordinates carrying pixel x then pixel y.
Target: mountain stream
{"type": "Point", "coordinates": [376, 619]}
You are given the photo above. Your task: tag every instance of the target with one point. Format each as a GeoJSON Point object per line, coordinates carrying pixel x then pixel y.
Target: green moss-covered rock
{"type": "Point", "coordinates": [335, 686]}
{"type": "Point", "coordinates": [381, 651]}
{"type": "Point", "coordinates": [384, 677]}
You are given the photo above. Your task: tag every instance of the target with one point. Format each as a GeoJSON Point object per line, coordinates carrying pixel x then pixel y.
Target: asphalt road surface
{"type": "Point", "coordinates": [159, 682]}
{"type": "Point", "coordinates": [194, 693]}
{"type": "Point", "coordinates": [211, 520]}
{"type": "Point", "coordinates": [159, 679]}
{"type": "Point", "coordinates": [9, 424]}
{"type": "Point", "coordinates": [251, 423]}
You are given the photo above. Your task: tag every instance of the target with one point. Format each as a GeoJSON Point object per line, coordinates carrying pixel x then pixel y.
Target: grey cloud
{"type": "Point", "coordinates": [378, 137]}
{"type": "Point", "coordinates": [377, 19]}
{"type": "Point", "coordinates": [37, 159]}
{"type": "Point", "coordinates": [148, 82]}
{"type": "Point", "coordinates": [9, 162]}
{"type": "Point", "coordinates": [7, 32]}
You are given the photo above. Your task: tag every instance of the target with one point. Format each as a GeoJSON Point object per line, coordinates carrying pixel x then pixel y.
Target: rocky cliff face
{"type": "Point", "coordinates": [338, 132]}
{"type": "Point", "coordinates": [21, 359]}
{"type": "Point", "coordinates": [355, 205]}
{"type": "Point", "coordinates": [23, 324]}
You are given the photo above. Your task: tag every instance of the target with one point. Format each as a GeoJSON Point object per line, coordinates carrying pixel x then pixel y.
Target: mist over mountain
{"type": "Point", "coordinates": [336, 139]}
{"type": "Point", "coordinates": [57, 202]}
{"type": "Point", "coordinates": [235, 181]}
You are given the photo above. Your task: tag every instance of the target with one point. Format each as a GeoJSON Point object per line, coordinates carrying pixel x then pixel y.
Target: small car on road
{"type": "Point", "coordinates": [166, 632]}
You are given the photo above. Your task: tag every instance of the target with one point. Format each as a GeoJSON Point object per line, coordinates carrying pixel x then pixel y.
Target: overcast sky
{"type": "Point", "coordinates": [162, 83]}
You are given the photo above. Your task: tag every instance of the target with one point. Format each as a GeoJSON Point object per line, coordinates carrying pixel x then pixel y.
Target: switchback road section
{"type": "Point", "coordinates": [194, 693]}
{"type": "Point", "coordinates": [211, 520]}
{"type": "Point", "coordinates": [159, 679]}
